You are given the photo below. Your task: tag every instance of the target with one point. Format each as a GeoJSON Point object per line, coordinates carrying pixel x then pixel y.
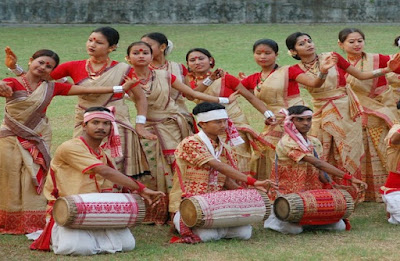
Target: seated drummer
{"type": "Point", "coordinates": [298, 168]}
{"type": "Point", "coordinates": [391, 190]}
{"type": "Point", "coordinates": [205, 164]}
{"type": "Point", "coordinates": [79, 166]}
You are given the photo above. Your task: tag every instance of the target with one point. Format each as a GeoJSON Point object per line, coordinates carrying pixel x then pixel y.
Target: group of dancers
{"type": "Point", "coordinates": [171, 153]}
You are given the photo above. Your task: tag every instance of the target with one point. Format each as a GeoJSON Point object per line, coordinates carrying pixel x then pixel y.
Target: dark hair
{"type": "Point", "coordinates": [269, 42]}
{"type": "Point", "coordinates": [49, 53]}
{"type": "Point", "coordinates": [396, 41]}
{"type": "Point", "coordinates": [110, 33]}
{"type": "Point", "coordinates": [203, 51]}
{"type": "Point", "coordinates": [298, 109]}
{"type": "Point", "coordinates": [398, 104]}
{"type": "Point", "coordinates": [138, 43]}
{"type": "Point", "coordinates": [207, 106]}
{"type": "Point", "coordinates": [160, 38]}
{"type": "Point", "coordinates": [97, 108]}
{"type": "Point", "coordinates": [343, 34]}
{"type": "Point", "coordinates": [291, 41]}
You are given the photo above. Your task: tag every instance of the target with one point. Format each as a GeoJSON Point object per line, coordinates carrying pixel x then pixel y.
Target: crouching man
{"type": "Point", "coordinates": [80, 166]}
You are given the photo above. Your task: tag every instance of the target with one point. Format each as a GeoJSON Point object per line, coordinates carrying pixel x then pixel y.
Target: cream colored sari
{"type": "Point", "coordinates": [22, 205]}
{"type": "Point", "coordinates": [337, 122]}
{"type": "Point", "coordinates": [171, 127]}
{"type": "Point", "coordinates": [380, 113]}
{"type": "Point", "coordinates": [274, 93]}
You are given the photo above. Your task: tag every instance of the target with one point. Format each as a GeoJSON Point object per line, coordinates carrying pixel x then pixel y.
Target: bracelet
{"type": "Point", "coordinates": [251, 181]}
{"type": "Point", "coordinates": [322, 75]}
{"type": "Point", "coordinates": [378, 73]}
{"type": "Point", "coordinates": [223, 100]}
{"type": "Point", "coordinates": [347, 176]}
{"type": "Point", "coordinates": [268, 114]}
{"type": "Point", "coordinates": [140, 119]}
{"type": "Point", "coordinates": [207, 81]}
{"type": "Point", "coordinates": [141, 186]}
{"type": "Point", "coordinates": [118, 89]}
{"type": "Point", "coordinates": [18, 70]}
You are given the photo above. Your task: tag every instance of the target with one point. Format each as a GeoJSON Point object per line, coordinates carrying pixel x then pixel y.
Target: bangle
{"type": "Point", "coordinates": [251, 181]}
{"type": "Point", "coordinates": [378, 73]}
{"type": "Point", "coordinates": [268, 114]}
{"type": "Point", "coordinates": [140, 119]}
{"type": "Point", "coordinates": [207, 81]}
{"type": "Point", "coordinates": [322, 75]}
{"type": "Point", "coordinates": [141, 186]}
{"type": "Point", "coordinates": [118, 89]}
{"type": "Point", "coordinates": [347, 176]}
{"type": "Point", "coordinates": [223, 100]}
{"type": "Point", "coordinates": [18, 70]}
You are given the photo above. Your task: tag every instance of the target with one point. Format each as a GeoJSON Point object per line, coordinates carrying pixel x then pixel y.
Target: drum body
{"type": "Point", "coordinates": [99, 210]}
{"type": "Point", "coordinates": [228, 208]}
{"type": "Point", "coordinates": [314, 207]}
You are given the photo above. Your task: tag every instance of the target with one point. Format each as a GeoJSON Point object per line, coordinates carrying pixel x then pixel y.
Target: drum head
{"type": "Point", "coordinates": [188, 213]}
{"type": "Point", "coordinates": [61, 211]}
{"type": "Point", "coordinates": [281, 208]}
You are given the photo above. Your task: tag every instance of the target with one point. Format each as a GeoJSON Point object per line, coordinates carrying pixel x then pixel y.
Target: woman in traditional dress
{"type": "Point", "coordinates": [337, 117]}
{"type": "Point", "coordinates": [164, 120]}
{"type": "Point", "coordinates": [278, 88]}
{"type": "Point", "coordinates": [100, 70]}
{"type": "Point", "coordinates": [161, 47]}
{"type": "Point", "coordinates": [25, 138]}
{"type": "Point", "coordinates": [379, 108]}
{"type": "Point", "coordinates": [218, 83]}
{"type": "Point", "coordinates": [394, 78]}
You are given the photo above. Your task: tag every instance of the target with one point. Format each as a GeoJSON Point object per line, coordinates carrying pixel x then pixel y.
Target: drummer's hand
{"type": "Point", "coordinates": [143, 133]}
{"type": "Point", "coordinates": [147, 194]}
{"type": "Point", "coordinates": [11, 58]}
{"type": "Point", "coordinates": [265, 185]}
{"type": "Point", "coordinates": [358, 183]}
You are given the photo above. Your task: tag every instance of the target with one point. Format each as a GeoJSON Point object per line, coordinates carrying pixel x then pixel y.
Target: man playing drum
{"type": "Point", "coordinates": [298, 168]}
{"type": "Point", "coordinates": [205, 164]}
{"type": "Point", "coordinates": [81, 166]}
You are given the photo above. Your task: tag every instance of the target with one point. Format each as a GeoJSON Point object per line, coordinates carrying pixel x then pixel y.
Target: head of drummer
{"type": "Point", "coordinates": [211, 118]}
{"type": "Point", "coordinates": [98, 124]}
{"type": "Point", "coordinates": [301, 116]}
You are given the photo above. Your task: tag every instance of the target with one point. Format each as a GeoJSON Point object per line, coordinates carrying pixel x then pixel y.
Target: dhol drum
{"type": "Point", "coordinates": [99, 210]}
{"type": "Point", "coordinates": [228, 208]}
{"type": "Point", "coordinates": [314, 207]}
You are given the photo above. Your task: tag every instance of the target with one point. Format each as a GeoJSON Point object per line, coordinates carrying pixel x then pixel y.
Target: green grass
{"type": "Point", "coordinates": [371, 238]}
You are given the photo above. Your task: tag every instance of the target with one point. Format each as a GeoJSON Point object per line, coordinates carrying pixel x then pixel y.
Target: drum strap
{"type": "Point", "coordinates": [178, 172]}
{"type": "Point", "coordinates": [54, 193]}
{"type": "Point", "coordinates": [328, 178]}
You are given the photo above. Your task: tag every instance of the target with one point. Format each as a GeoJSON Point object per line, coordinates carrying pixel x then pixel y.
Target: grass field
{"type": "Point", "coordinates": [371, 238]}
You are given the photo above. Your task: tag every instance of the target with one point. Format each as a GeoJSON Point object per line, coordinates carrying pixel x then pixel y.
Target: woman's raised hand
{"type": "Point", "coordinates": [11, 58]}
{"type": "Point", "coordinates": [394, 63]}
{"type": "Point", "coordinates": [328, 62]}
{"type": "Point", "coordinates": [218, 73]}
{"type": "Point", "coordinates": [242, 75]}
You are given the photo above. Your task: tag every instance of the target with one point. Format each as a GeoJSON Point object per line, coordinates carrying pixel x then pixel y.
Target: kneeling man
{"type": "Point", "coordinates": [204, 164]}
{"type": "Point", "coordinates": [79, 166]}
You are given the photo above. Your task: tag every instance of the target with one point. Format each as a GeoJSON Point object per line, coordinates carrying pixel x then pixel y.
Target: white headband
{"type": "Point", "coordinates": [303, 114]}
{"type": "Point", "coordinates": [212, 115]}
